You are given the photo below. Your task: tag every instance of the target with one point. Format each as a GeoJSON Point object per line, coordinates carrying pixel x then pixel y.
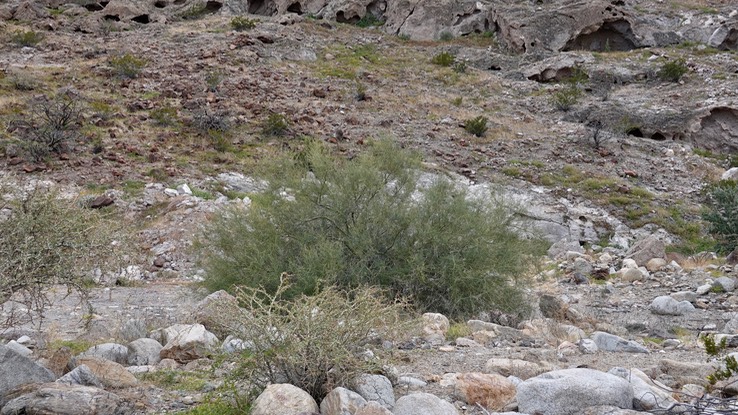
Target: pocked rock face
{"type": "Point", "coordinates": [717, 131]}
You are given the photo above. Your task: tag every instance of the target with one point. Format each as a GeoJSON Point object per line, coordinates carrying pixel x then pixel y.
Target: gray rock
{"type": "Point", "coordinates": [558, 249]}
{"type": "Point", "coordinates": [191, 342]}
{"type": "Point", "coordinates": [588, 346]}
{"type": "Point", "coordinates": [730, 174]}
{"type": "Point", "coordinates": [518, 368]}
{"type": "Point", "coordinates": [375, 388]}
{"type": "Point", "coordinates": [569, 391]}
{"type": "Point", "coordinates": [62, 399]}
{"type": "Point", "coordinates": [132, 329]}
{"type": "Point", "coordinates": [373, 408]}
{"type": "Point", "coordinates": [612, 343]}
{"type": "Point", "coordinates": [666, 306]}
{"type": "Point", "coordinates": [16, 369]}
{"type": "Point", "coordinates": [283, 398]}
{"type": "Point", "coordinates": [212, 312]}
{"type": "Point", "coordinates": [144, 351]}
{"type": "Point", "coordinates": [19, 348]}
{"type": "Point", "coordinates": [655, 264]}
{"type": "Point", "coordinates": [81, 375]}
{"type": "Point", "coordinates": [685, 296]}
{"type": "Point", "coordinates": [410, 382]}
{"type": "Point", "coordinates": [646, 249]}
{"type": "Point", "coordinates": [423, 404]}
{"type": "Point", "coordinates": [111, 374]}
{"type": "Point", "coordinates": [235, 345]}
{"type": "Point", "coordinates": [703, 289]}
{"type": "Point", "coordinates": [647, 393]}
{"type": "Point", "coordinates": [727, 283]}
{"type": "Point", "coordinates": [435, 327]}
{"type": "Point", "coordinates": [110, 351]}
{"type": "Point", "coordinates": [341, 401]}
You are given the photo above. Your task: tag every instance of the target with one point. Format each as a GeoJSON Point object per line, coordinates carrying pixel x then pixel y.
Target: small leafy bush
{"type": "Point", "coordinates": [444, 59]}
{"type": "Point", "coordinates": [206, 121]}
{"type": "Point", "coordinates": [312, 342]}
{"type": "Point", "coordinates": [241, 23]}
{"type": "Point", "coordinates": [50, 126]}
{"type": "Point", "coordinates": [722, 215]}
{"type": "Point", "coordinates": [26, 37]}
{"type": "Point", "coordinates": [564, 99]}
{"type": "Point", "coordinates": [329, 221]}
{"type": "Point", "coordinates": [127, 65]}
{"type": "Point", "coordinates": [369, 20]}
{"type": "Point", "coordinates": [47, 241]}
{"type": "Point", "coordinates": [275, 125]}
{"type": "Point", "coordinates": [673, 71]}
{"type": "Point", "coordinates": [446, 36]}
{"type": "Point", "coordinates": [194, 12]}
{"type": "Point", "coordinates": [476, 126]}
{"type": "Point", "coordinates": [164, 116]}
{"type": "Point", "coordinates": [213, 79]}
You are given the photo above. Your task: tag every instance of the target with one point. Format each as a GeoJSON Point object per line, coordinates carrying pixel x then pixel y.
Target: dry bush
{"type": "Point", "coordinates": [312, 342]}
{"type": "Point", "coordinates": [47, 241]}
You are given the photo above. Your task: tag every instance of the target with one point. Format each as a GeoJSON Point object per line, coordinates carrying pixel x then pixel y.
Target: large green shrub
{"type": "Point", "coordinates": [47, 241]}
{"type": "Point", "coordinates": [370, 221]}
{"type": "Point", "coordinates": [723, 215]}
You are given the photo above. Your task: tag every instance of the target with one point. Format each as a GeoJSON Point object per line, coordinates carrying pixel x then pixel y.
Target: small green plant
{"type": "Point", "coordinates": [164, 116]}
{"type": "Point", "coordinates": [360, 92]}
{"type": "Point", "coordinates": [242, 23]}
{"type": "Point", "coordinates": [28, 38]}
{"type": "Point", "coordinates": [673, 71]}
{"type": "Point", "coordinates": [564, 99]}
{"type": "Point", "coordinates": [476, 126]}
{"type": "Point", "coordinates": [459, 67]}
{"type": "Point", "coordinates": [213, 79]}
{"type": "Point", "coordinates": [194, 12]}
{"type": "Point", "coordinates": [444, 59]}
{"type": "Point", "coordinates": [729, 365]}
{"type": "Point", "coordinates": [722, 215]}
{"type": "Point", "coordinates": [369, 20]}
{"type": "Point", "coordinates": [275, 125]}
{"type": "Point", "coordinates": [456, 102]}
{"type": "Point", "coordinates": [404, 37]}
{"type": "Point", "coordinates": [446, 36]}
{"type": "Point", "coordinates": [51, 126]}
{"type": "Point", "coordinates": [206, 121]}
{"type": "Point", "coordinates": [457, 330]}
{"type": "Point", "coordinates": [127, 65]}
{"type": "Point", "coordinates": [176, 379]}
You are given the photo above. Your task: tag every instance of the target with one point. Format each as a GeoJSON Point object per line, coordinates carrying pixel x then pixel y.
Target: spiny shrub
{"type": "Point", "coordinates": [476, 126]}
{"type": "Point", "coordinates": [275, 125]}
{"type": "Point", "coordinates": [673, 71]}
{"type": "Point", "coordinates": [312, 342]}
{"type": "Point", "coordinates": [241, 23]}
{"type": "Point", "coordinates": [205, 121]}
{"type": "Point", "coordinates": [444, 59]}
{"type": "Point", "coordinates": [722, 215]}
{"type": "Point", "coordinates": [127, 65]}
{"type": "Point", "coordinates": [371, 221]}
{"type": "Point", "coordinates": [50, 126]}
{"type": "Point", "coordinates": [47, 241]}
{"type": "Point", "coordinates": [26, 37]}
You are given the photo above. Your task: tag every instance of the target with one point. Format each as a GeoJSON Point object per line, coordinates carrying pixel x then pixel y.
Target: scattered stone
{"type": "Point", "coordinates": [144, 351]}
{"type": "Point", "coordinates": [63, 399]}
{"type": "Point", "coordinates": [341, 401]}
{"type": "Point", "coordinates": [375, 388]}
{"type": "Point", "coordinates": [283, 399]}
{"type": "Point", "coordinates": [612, 343]}
{"type": "Point", "coordinates": [666, 306]}
{"type": "Point", "coordinates": [110, 351]}
{"type": "Point", "coordinates": [16, 369]}
{"type": "Point", "coordinates": [569, 391]}
{"type": "Point", "coordinates": [423, 404]}
{"type": "Point", "coordinates": [492, 391]}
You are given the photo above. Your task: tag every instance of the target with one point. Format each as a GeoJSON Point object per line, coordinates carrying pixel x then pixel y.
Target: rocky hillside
{"type": "Point", "coordinates": [606, 120]}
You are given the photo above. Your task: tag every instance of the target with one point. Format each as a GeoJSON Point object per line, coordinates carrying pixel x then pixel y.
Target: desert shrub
{"type": "Point", "coordinates": [369, 20]}
{"type": "Point", "coordinates": [444, 59]}
{"type": "Point", "coordinates": [206, 121]}
{"type": "Point", "coordinates": [312, 342]}
{"type": "Point", "coordinates": [50, 125]}
{"type": "Point", "coordinates": [446, 36]}
{"type": "Point", "coordinates": [275, 125]}
{"type": "Point", "coordinates": [164, 116]}
{"type": "Point", "coordinates": [363, 222]}
{"type": "Point", "coordinates": [47, 241]}
{"type": "Point", "coordinates": [127, 65]}
{"type": "Point", "coordinates": [476, 126]}
{"type": "Point", "coordinates": [241, 23]}
{"type": "Point", "coordinates": [722, 215]}
{"type": "Point", "coordinates": [194, 12]}
{"type": "Point", "coordinates": [26, 37]}
{"type": "Point", "coordinates": [213, 79]}
{"type": "Point", "coordinates": [460, 67]}
{"type": "Point", "coordinates": [673, 71]}
{"type": "Point", "coordinates": [564, 99]}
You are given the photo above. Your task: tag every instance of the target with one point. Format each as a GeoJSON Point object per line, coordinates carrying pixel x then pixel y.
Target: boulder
{"type": "Point", "coordinates": [726, 283]}
{"type": "Point", "coordinates": [645, 250]}
{"type": "Point", "coordinates": [429, 19]}
{"type": "Point", "coordinates": [612, 343]}
{"type": "Point", "coordinates": [62, 399]}
{"type": "Point", "coordinates": [110, 351]}
{"type": "Point", "coordinates": [110, 374]}
{"type": "Point", "coordinates": [283, 399]}
{"type": "Point", "coordinates": [191, 342]}
{"type": "Point", "coordinates": [211, 311]}
{"type": "Point", "coordinates": [16, 369]}
{"type": "Point", "coordinates": [514, 367]}
{"type": "Point", "coordinates": [569, 391]}
{"type": "Point", "coordinates": [730, 174]}
{"type": "Point", "coordinates": [716, 129]}
{"type": "Point", "coordinates": [423, 404]}
{"type": "Point", "coordinates": [435, 327]}
{"type": "Point", "coordinates": [341, 401]}
{"type": "Point", "coordinates": [558, 249]}
{"type": "Point", "coordinates": [373, 408]}
{"type": "Point", "coordinates": [19, 348]}
{"type": "Point", "coordinates": [375, 388]}
{"type": "Point", "coordinates": [666, 306]}
{"type": "Point", "coordinates": [492, 391]}
{"type": "Point", "coordinates": [647, 394]}
{"type": "Point", "coordinates": [655, 264]}
{"type": "Point", "coordinates": [82, 376]}
{"type": "Point", "coordinates": [144, 352]}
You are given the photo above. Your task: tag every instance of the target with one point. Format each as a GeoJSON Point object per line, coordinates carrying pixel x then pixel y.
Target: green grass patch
{"type": "Point", "coordinates": [176, 380]}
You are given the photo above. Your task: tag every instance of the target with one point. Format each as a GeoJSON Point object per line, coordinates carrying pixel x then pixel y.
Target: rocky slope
{"type": "Point", "coordinates": [627, 159]}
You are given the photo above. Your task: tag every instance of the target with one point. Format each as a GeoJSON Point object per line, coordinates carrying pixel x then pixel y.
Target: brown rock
{"type": "Point", "coordinates": [732, 258]}
{"type": "Point", "coordinates": [101, 201]}
{"type": "Point", "coordinates": [492, 391]}
{"type": "Point", "coordinates": [110, 374]}
{"type": "Point", "coordinates": [59, 361]}
{"type": "Point", "coordinates": [373, 408]}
